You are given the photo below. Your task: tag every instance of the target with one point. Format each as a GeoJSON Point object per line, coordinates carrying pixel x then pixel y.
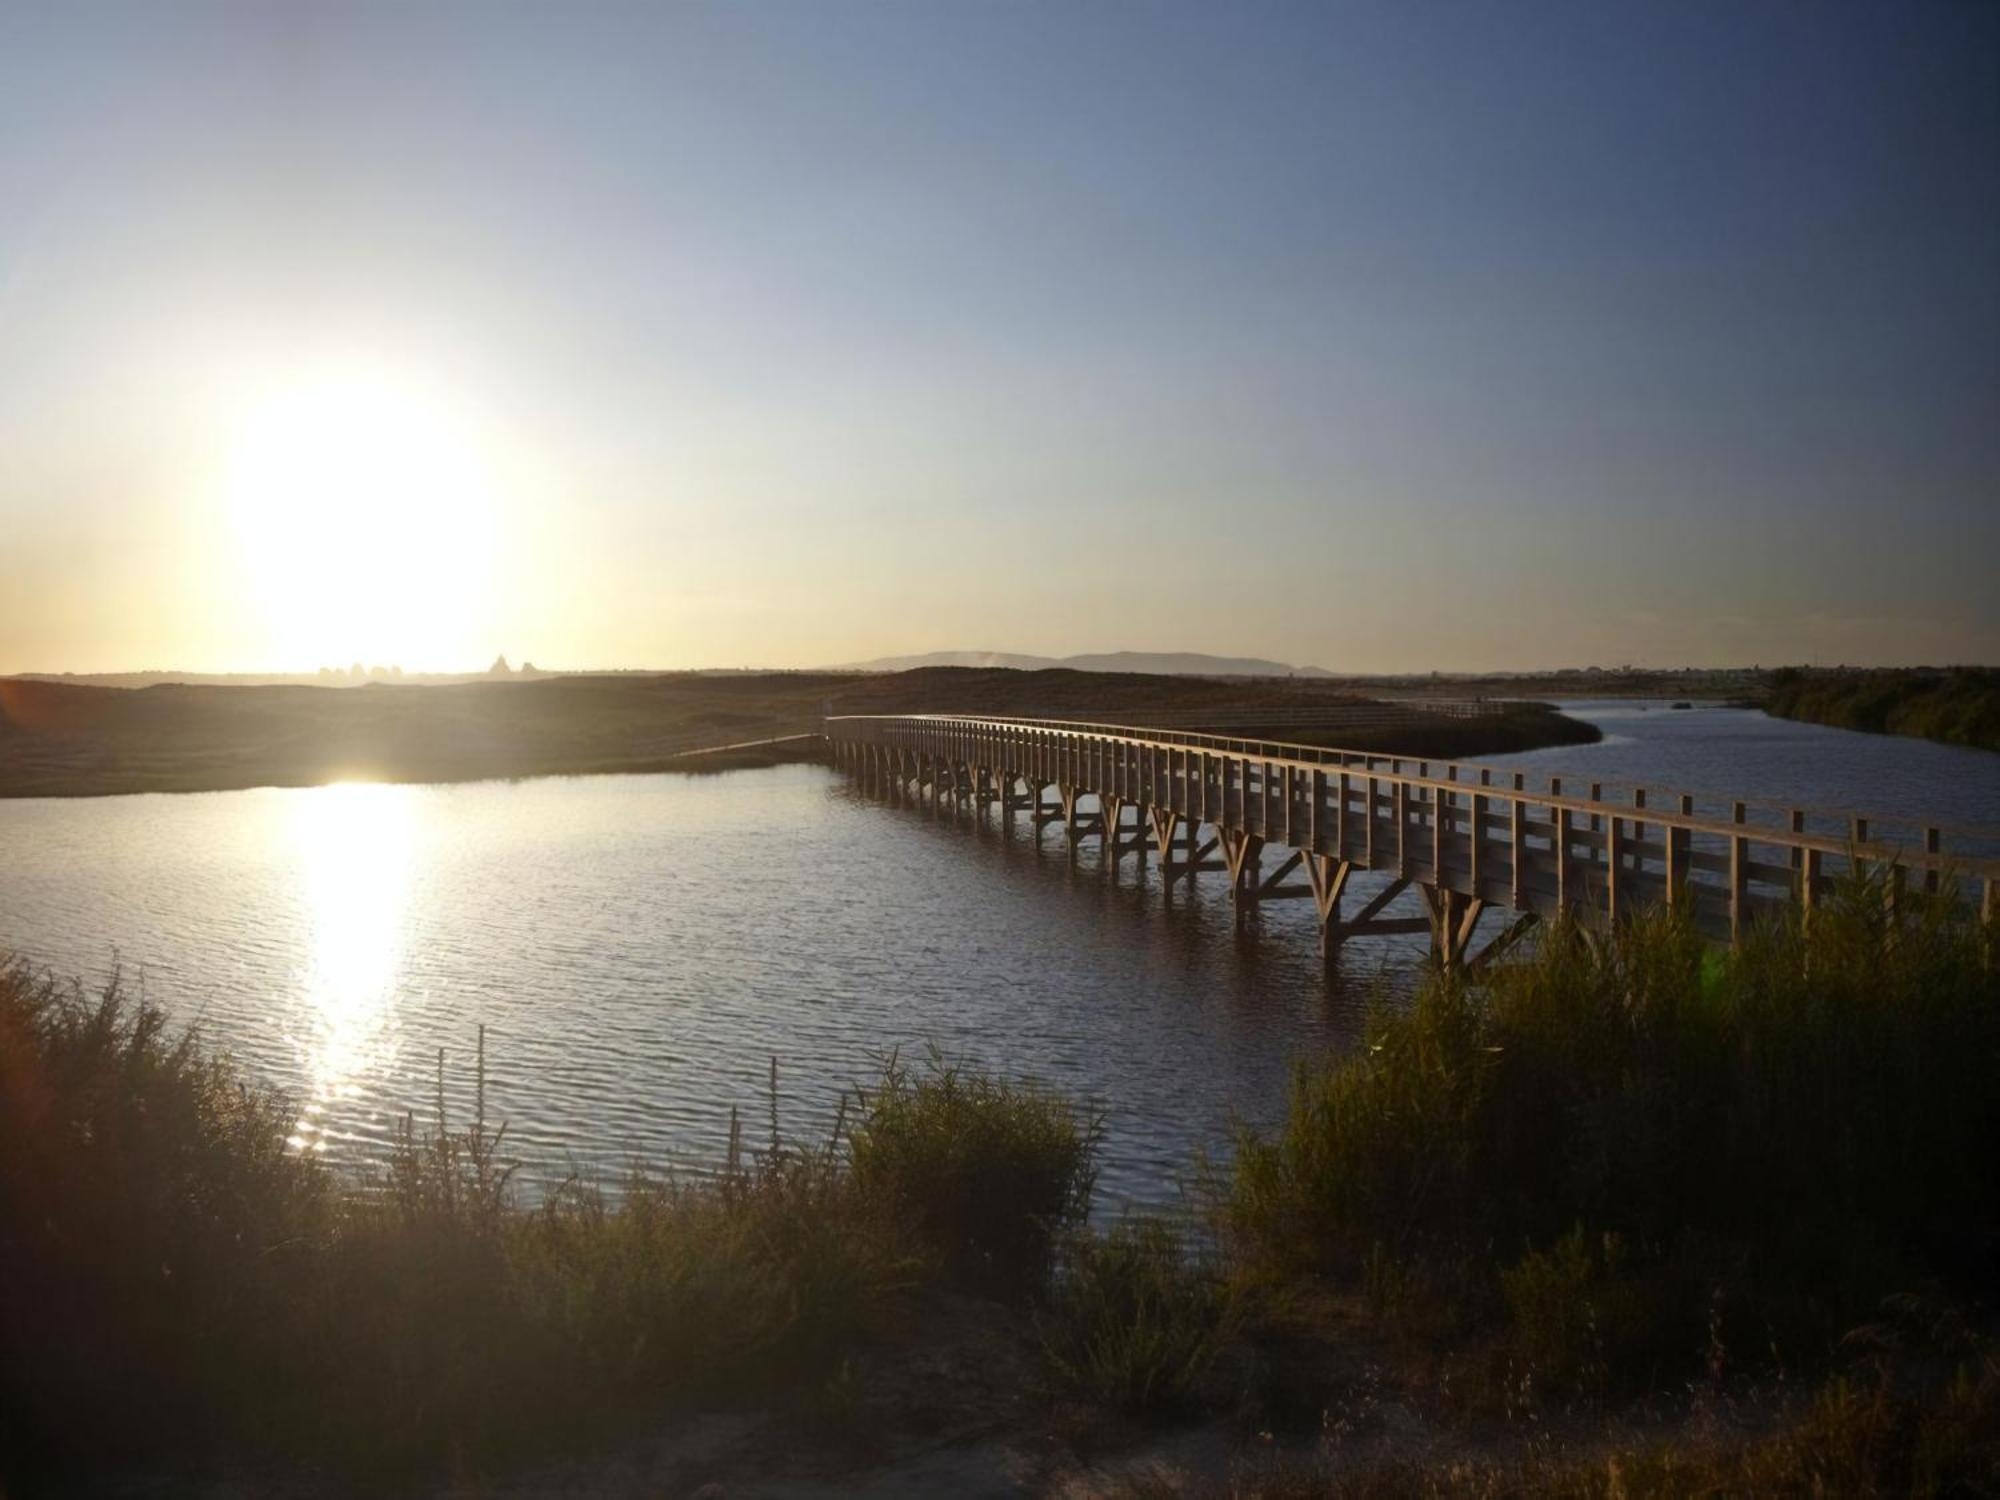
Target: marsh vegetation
{"type": "Point", "coordinates": [62, 739]}
{"type": "Point", "coordinates": [1955, 706]}
{"type": "Point", "coordinates": [1632, 1215]}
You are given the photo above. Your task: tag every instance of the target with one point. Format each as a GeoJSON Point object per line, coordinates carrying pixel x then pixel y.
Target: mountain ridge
{"type": "Point", "coordinates": [1158, 663]}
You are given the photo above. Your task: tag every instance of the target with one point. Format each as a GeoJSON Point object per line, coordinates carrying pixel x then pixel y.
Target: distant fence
{"type": "Point", "coordinates": [670, 747]}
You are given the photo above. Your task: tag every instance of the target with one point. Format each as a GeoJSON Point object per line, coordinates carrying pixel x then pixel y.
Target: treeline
{"type": "Point", "coordinates": [1954, 705]}
{"type": "Point", "coordinates": [1627, 1176]}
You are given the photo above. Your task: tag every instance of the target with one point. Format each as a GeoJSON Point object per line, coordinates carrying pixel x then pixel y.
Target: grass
{"type": "Point", "coordinates": [1627, 1169]}
{"type": "Point", "coordinates": [1865, 1435]}
{"type": "Point", "coordinates": [1641, 1156]}
{"type": "Point", "coordinates": [984, 1173]}
{"type": "Point", "coordinates": [61, 739]}
{"type": "Point", "coordinates": [1133, 1323]}
{"type": "Point", "coordinates": [165, 1257]}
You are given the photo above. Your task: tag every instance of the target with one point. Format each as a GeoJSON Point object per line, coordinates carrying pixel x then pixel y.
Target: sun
{"type": "Point", "coordinates": [365, 522]}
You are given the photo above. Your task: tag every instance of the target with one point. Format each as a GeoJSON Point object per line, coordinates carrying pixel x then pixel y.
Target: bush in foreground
{"type": "Point", "coordinates": [986, 1173]}
{"type": "Point", "coordinates": [1636, 1144]}
{"type": "Point", "coordinates": [1132, 1322]}
{"type": "Point", "coordinates": [164, 1255]}
{"type": "Point", "coordinates": [1627, 1155]}
{"type": "Point", "coordinates": [150, 1215]}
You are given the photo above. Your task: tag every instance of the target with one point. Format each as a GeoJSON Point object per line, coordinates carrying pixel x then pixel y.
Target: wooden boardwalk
{"type": "Point", "coordinates": [1466, 839]}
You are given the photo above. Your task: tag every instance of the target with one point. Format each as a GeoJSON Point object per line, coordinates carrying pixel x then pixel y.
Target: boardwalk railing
{"type": "Point", "coordinates": [1370, 714]}
{"type": "Point", "coordinates": [1465, 837]}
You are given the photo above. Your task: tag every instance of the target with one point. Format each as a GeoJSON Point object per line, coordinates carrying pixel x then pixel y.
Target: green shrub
{"type": "Point", "coordinates": [1132, 1323]}
{"type": "Point", "coordinates": [1787, 1133]}
{"type": "Point", "coordinates": [705, 1287]}
{"type": "Point", "coordinates": [149, 1214]}
{"type": "Point", "coordinates": [166, 1256]}
{"type": "Point", "coordinates": [1959, 706]}
{"type": "Point", "coordinates": [983, 1171]}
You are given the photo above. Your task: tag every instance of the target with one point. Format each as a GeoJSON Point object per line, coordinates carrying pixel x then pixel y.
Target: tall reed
{"type": "Point", "coordinates": [1638, 1121]}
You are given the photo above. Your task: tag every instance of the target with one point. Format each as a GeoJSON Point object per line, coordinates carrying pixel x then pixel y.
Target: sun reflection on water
{"type": "Point", "coordinates": [353, 844]}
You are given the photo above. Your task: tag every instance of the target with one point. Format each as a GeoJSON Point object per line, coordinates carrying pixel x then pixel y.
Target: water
{"type": "Point", "coordinates": [1733, 753]}
{"type": "Point", "coordinates": [640, 947]}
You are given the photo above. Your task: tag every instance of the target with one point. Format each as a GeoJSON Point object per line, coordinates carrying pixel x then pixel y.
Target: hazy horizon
{"type": "Point", "coordinates": [902, 661]}
{"type": "Point", "coordinates": [1379, 338]}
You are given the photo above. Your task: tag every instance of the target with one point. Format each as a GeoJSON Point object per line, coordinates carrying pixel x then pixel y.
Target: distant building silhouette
{"type": "Point", "coordinates": [500, 668]}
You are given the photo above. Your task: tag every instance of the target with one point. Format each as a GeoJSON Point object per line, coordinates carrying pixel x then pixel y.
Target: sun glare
{"type": "Point", "coordinates": [354, 848]}
{"type": "Point", "coordinates": [364, 519]}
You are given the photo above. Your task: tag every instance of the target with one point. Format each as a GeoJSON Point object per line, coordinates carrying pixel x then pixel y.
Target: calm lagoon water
{"type": "Point", "coordinates": [639, 948]}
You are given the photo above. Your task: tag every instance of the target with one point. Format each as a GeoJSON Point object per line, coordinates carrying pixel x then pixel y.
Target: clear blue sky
{"type": "Point", "coordinates": [1384, 337]}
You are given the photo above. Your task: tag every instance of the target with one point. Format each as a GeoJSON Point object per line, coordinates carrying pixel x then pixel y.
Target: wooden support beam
{"type": "Point", "coordinates": [1437, 914]}
{"type": "Point", "coordinates": [1242, 850]}
{"type": "Point", "coordinates": [1276, 877]}
{"type": "Point", "coordinates": [1110, 809]}
{"type": "Point", "coordinates": [1508, 936]}
{"type": "Point", "coordinates": [1383, 897]}
{"type": "Point", "coordinates": [1042, 810]}
{"type": "Point", "coordinates": [1328, 878]}
{"type": "Point", "coordinates": [1384, 927]}
{"type": "Point", "coordinates": [1471, 909]}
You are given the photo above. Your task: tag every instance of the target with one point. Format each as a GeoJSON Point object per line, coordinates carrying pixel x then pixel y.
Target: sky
{"type": "Point", "coordinates": [1382, 337]}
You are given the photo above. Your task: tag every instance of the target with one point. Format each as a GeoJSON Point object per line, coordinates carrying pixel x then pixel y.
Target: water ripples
{"type": "Point", "coordinates": [639, 948]}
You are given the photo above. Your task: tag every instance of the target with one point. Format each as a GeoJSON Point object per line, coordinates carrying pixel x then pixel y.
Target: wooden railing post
{"type": "Point", "coordinates": [1440, 810]}
{"type": "Point", "coordinates": [1613, 854]}
{"type": "Point", "coordinates": [1478, 829]}
{"type": "Point", "coordinates": [1399, 798]}
{"type": "Point", "coordinates": [1517, 840]}
{"type": "Point", "coordinates": [1559, 817]}
{"type": "Point", "coordinates": [1739, 876]}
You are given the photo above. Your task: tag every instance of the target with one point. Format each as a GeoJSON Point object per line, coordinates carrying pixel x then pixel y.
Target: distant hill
{"type": "Point", "coordinates": [1157, 663]}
